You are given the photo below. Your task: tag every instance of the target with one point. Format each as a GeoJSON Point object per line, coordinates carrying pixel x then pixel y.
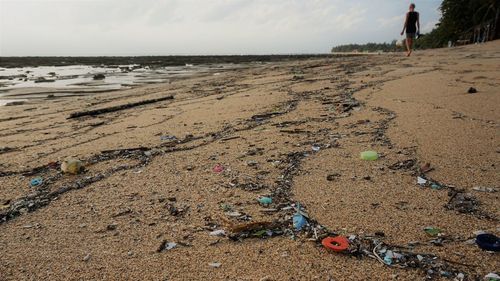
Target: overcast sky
{"type": "Point", "coordinates": [166, 27]}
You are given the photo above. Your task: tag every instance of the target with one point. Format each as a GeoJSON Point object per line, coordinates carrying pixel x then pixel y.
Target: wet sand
{"type": "Point", "coordinates": [261, 124]}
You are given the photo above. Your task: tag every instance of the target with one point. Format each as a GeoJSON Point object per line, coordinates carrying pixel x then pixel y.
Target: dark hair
{"type": "Point", "coordinates": [412, 5]}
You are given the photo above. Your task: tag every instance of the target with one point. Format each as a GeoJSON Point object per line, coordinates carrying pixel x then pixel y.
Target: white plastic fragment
{"type": "Point", "coordinates": [492, 276]}
{"type": "Point", "coordinates": [215, 264]}
{"type": "Point", "coordinates": [170, 246]}
{"type": "Point", "coordinates": [219, 232]}
{"type": "Point", "coordinates": [484, 189]}
{"type": "Point", "coordinates": [421, 181]}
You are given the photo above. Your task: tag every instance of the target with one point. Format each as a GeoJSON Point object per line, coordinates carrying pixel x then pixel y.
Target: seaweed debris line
{"type": "Point", "coordinates": [312, 169]}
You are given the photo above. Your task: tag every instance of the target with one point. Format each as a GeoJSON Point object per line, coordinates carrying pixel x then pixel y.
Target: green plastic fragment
{"type": "Point", "coordinates": [432, 231]}
{"type": "Point", "coordinates": [369, 155]}
{"type": "Point", "coordinates": [436, 186]}
{"type": "Point", "coordinates": [259, 233]}
{"type": "Point", "coordinates": [265, 200]}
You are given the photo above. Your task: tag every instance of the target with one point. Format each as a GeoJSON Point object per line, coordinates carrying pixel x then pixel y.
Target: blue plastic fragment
{"type": "Point", "coordinates": [388, 260]}
{"type": "Point", "coordinates": [36, 182]}
{"type": "Point", "coordinates": [299, 221]}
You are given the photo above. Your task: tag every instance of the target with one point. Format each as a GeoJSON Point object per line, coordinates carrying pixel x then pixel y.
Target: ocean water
{"type": "Point", "coordinates": [21, 83]}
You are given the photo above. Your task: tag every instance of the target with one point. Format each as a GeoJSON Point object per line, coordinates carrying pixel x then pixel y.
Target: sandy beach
{"type": "Point", "coordinates": [183, 170]}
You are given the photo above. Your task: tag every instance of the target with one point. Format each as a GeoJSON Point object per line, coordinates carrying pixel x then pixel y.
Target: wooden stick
{"type": "Point", "coordinates": [116, 108]}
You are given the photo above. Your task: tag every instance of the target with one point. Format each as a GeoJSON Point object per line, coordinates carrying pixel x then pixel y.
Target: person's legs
{"type": "Point", "coordinates": [409, 45]}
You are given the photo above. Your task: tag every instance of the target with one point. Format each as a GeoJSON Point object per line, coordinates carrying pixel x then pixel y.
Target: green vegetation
{"type": "Point", "coordinates": [369, 47]}
{"type": "Point", "coordinates": [461, 20]}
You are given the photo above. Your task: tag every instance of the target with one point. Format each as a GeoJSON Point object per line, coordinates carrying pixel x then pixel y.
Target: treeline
{"type": "Point", "coordinates": [369, 47]}
{"type": "Point", "coordinates": [464, 21]}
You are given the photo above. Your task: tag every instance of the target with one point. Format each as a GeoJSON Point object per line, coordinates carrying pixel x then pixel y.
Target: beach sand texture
{"type": "Point", "coordinates": [260, 124]}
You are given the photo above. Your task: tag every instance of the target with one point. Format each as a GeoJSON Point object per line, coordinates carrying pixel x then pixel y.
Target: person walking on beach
{"type": "Point", "coordinates": [412, 27]}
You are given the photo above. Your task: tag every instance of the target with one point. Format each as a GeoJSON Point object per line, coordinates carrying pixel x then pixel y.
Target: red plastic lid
{"type": "Point", "coordinates": [337, 244]}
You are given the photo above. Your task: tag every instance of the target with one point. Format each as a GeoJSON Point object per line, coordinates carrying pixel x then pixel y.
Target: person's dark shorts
{"type": "Point", "coordinates": [411, 35]}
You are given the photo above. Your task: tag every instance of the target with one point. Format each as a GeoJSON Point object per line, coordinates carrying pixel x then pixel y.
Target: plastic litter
{"type": "Point", "coordinates": [299, 221]}
{"type": "Point", "coordinates": [316, 148]}
{"type": "Point", "coordinates": [436, 186]}
{"type": "Point", "coordinates": [492, 277]}
{"type": "Point", "coordinates": [72, 166]}
{"type": "Point", "coordinates": [265, 200]}
{"type": "Point", "coordinates": [426, 168]}
{"type": "Point", "coordinates": [369, 155]}
{"type": "Point", "coordinates": [488, 242]}
{"type": "Point", "coordinates": [472, 90]}
{"type": "Point", "coordinates": [166, 246]}
{"type": "Point", "coordinates": [36, 182]}
{"type": "Point", "coordinates": [336, 244]}
{"type": "Point", "coordinates": [421, 181]}
{"type": "Point", "coordinates": [215, 264]}
{"type": "Point", "coordinates": [387, 260]}
{"type": "Point", "coordinates": [218, 168]}
{"type": "Point", "coordinates": [219, 232]}
{"type": "Point", "coordinates": [432, 231]}
{"type": "Point", "coordinates": [484, 189]}
{"type": "Point", "coordinates": [168, 138]}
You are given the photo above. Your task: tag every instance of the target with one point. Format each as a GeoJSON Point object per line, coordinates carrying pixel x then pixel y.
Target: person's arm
{"type": "Point", "coordinates": [418, 23]}
{"type": "Point", "coordinates": [406, 22]}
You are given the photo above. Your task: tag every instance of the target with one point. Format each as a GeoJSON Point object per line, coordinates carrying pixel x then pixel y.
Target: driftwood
{"type": "Point", "coordinates": [116, 108]}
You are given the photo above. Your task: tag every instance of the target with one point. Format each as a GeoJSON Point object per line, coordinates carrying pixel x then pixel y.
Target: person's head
{"type": "Point", "coordinates": [412, 7]}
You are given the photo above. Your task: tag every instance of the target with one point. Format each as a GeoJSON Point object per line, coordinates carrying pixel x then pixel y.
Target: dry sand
{"type": "Point", "coordinates": [129, 202]}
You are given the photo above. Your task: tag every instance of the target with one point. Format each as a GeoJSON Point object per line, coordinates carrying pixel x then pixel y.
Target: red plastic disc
{"type": "Point", "coordinates": [337, 244]}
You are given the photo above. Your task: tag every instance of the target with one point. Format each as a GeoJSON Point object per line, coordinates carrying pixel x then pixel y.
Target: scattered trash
{"type": "Point", "coordinates": [426, 168]}
{"type": "Point", "coordinates": [219, 232]}
{"type": "Point", "coordinates": [262, 233]}
{"type": "Point", "coordinates": [168, 138]}
{"type": "Point", "coordinates": [166, 246]}
{"type": "Point", "coordinates": [218, 168]}
{"type": "Point", "coordinates": [492, 277]}
{"type": "Point", "coordinates": [265, 200]}
{"type": "Point", "coordinates": [72, 166]}
{"type": "Point", "coordinates": [299, 221]}
{"type": "Point", "coordinates": [436, 186]}
{"type": "Point", "coordinates": [432, 231]}
{"type": "Point", "coordinates": [215, 264]}
{"type": "Point", "coordinates": [252, 163]}
{"type": "Point", "coordinates": [403, 165]}
{"type": "Point", "coordinates": [316, 148]}
{"type": "Point", "coordinates": [36, 182]}
{"type": "Point", "coordinates": [488, 242]}
{"type": "Point", "coordinates": [484, 189]}
{"type": "Point", "coordinates": [472, 90]}
{"type": "Point", "coordinates": [332, 177]}
{"type": "Point", "coordinates": [337, 244]}
{"type": "Point", "coordinates": [388, 260]}
{"type": "Point", "coordinates": [369, 155]}
{"type": "Point", "coordinates": [86, 258]}
{"type": "Point", "coordinates": [462, 202]}
{"type": "Point", "coordinates": [421, 181]}
{"type": "Point", "coordinates": [250, 227]}
{"type": "Point", "coordinates": [234, 214]}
